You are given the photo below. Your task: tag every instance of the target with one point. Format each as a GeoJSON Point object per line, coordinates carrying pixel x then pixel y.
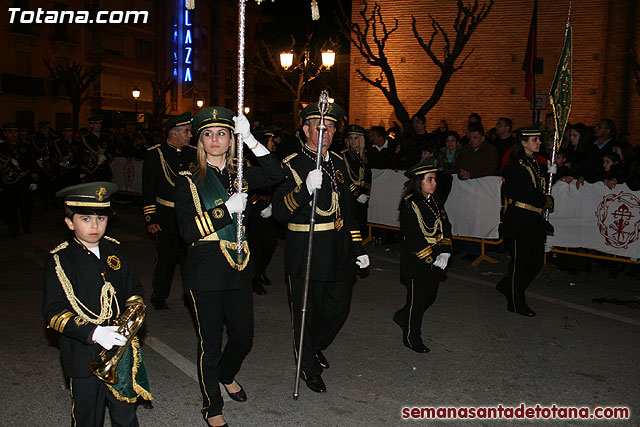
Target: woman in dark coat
{"type": "Point", "coordinates": [426, 247]}
{"type": "Point", "coordinates": [359, 173]}
{"type": "Point", "coordinates": [216, 280]}
{"type": "Point", "coordinates": [524, 227]}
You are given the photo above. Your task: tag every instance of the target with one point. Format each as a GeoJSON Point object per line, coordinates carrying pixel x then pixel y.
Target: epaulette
{"type": "Point", "coordinates": [111, 239]}
{"type": "Point", "coordinates": [60, 247]}
{"type": "Point", "coordinates": [153, 148]}
{"type": "Point", "coordinates": [335, 154]}
{"type": "Point", "coordinates": [185, 173]}
{"type": "Point", "coordinates": [289, 157]}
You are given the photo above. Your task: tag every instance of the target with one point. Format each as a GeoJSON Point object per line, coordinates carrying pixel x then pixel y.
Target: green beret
{"type": "Point", "coordinates": [92, 198]}
{"type": "Point", "coordinates": [425, 166]}
{"type": "Point", "coordinates": [312, 112]}
{"type": "Point", "coordinates": [7, 127]}
{"type": "Point", "coordinates": [44, 124]}
{"type": "Point", "coordinates": [176, 121]}
{"type": "Point", "coordinates": [528, 131]}
{"type": "Point", "coordinates": [357, 129]}
{"type": "Point", "coordinates": [95, 119]}
{"type": "Point", "coordinates": [213, 116]}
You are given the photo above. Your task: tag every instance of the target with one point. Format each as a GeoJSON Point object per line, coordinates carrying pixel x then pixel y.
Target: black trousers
{"type": "Point", "coordinates": [16, 207]}
{"type": "Point", "coordinates": [170, 249]}
{"type": "Point", "coordinates": [327, 309]}
{"type": "Point", "coordinates": [89, 395]}
{"type": "Point", "coordinates": [527, 257]}
{"type": "Point", "coordinates": [362, 210]}
{"type": "Point", "coordinates": [212, 310]}
{"type": "Point", "coordinates": [421, 293]}
{"type": "Point", "coordinates": [262, 241]}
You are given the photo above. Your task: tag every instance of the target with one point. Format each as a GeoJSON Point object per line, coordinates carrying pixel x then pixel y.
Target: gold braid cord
{"type": "Point", "coordinates": [429, 232]}
{"type": "Point", "coordinates": [107, 295]}
{"type": "Point", "coordinates": [335, 199]}
{"type": "Point", "coordinates": [166, 169]}
{"type": "Point", "coordinates": [225, 244]}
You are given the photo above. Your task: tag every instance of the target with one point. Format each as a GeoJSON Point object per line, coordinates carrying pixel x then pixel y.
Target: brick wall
{"type": "Point", "coordinates": [492, 81]}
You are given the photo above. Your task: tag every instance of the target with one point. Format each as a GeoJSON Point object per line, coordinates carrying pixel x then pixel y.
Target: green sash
{"type": "Point", "coordinates": [213, 194]}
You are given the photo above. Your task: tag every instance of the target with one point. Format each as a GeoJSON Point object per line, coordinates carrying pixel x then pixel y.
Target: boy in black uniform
{"type": "Point", "coordinates": [337, 241]}
{"type": "Point", "coordinates": [88, 283]}
{"type": "Point", "coordinates": [162, 164]}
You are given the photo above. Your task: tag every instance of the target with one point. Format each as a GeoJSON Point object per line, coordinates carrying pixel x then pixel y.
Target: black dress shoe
{"type": "Point", "coordinates": [397, 318]}
{"type": "Point", "coordinates": [265, 280]}
{"type": "Point", "coordinates": [524, 312]}
{"type": "Point", "coordinates": [322, 360]}
{"type": "Point", "coordinates": [257, 286]}
{"type": "Point", "coordinates": [315, 383]}
{"type": "Point", "coordinates": [420, 348]}
{"type": "Point", "coordinates": [238, 396]}
{"type": "Point", "coordinates": [160, 305]}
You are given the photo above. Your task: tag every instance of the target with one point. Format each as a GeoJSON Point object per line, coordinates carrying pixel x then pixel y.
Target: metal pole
{"type": "Point", "coordinates": [136, 118]}
{"type": "Point", "coordinates": [323, 106]}
{"type": "Point", "coordinates": [240, 142]}
{"type": "Point", "coordinates": [553, 160]}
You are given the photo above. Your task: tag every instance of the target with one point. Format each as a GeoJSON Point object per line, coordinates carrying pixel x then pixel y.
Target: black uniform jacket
{"type": "Point", "coordinates": [84, 271]}
{"type": "Point", "coordinates": [10, 154]}
{"type": "Point", "coordinates": [358, 172]}
{"type": "Point", "coordinates": [162, 165]}
{"type": "Point", "coordinates": [334, 250]}
{"type": "Point", "coordinates": [427, 234]}
{"type": "Point", "coordinates": [206, 266]}
{"type": "Point", "coordinates": [91, 147]}
{"type": "Point", "coordinates": [524, 189]}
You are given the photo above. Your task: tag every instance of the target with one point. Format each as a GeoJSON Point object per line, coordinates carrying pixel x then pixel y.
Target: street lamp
{"type": "Point", "coordinates": [246, 110]}
{"type": "Point", "coordinates": [309, 70]}
{"type": "Point", "coordinates": [199, 103]}
{"type": "Point", "coordinates": [136, 94]}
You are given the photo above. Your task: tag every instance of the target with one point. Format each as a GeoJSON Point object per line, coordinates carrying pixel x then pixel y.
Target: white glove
{"type": "Point", "coordinates": [362, 198]}
{"type": "Point", "coordinates": [102, 158]}
{"type": "Point", "coordinates": [39, 163]}
{"type": "Point", "coordinates": [552, 168]}
{"type": "Point", "coordinates": [362, 261]}
{"type": "Point", "coordinates": [237, 202]}
{"type": "Point", "coordinates": [16, 164]}
{"type": "Point", "coordinates": [266, 212]}
{"type": "Point", "coordinates": [314, 180]}
{"type": "Point", "coordinates": [242, 127]}
{"type": "Point", "coordinates": [441, 261]}
{"type": "Point", "coordinates": [107, 337]}
{"type": "Point", "coordinates": [33, 186]}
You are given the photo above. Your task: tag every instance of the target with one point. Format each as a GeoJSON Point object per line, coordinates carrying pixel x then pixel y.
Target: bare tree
{"type": "Point", "coordinates": [75, 80]}
{"type": "Point", "coordinates": [370, 39]}
{"type": "Point", "coordinates": [160, 104]}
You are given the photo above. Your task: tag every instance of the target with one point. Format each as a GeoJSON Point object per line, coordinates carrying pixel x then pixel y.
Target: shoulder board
{"type": "Point", "coordinates": [345, 150]}
{"type": "Point", "coordinates": [335, 154]}
{"type": "Point", "coordinates": [154, 147]}
{"type": "Point", "coordinates": [60, 247]}
{"type": "Point", "coordinates": [185, 173]}
{"type": "Point", "coordinates": [289, 157]}
{"type": "Point", "coordinates": [111, 239]}
{"type": "Point", "coordinates": [190, 146]}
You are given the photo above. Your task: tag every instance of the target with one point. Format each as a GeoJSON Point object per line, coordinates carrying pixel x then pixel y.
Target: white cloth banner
{"type": "Point", "coordinates": [127, 174]}
{"type": "Point", "coordinates": [596, 217]}
{"type": "Point", "coordinates": [473, 207]}
{"type": "Point", "coordinates": [386, 191]}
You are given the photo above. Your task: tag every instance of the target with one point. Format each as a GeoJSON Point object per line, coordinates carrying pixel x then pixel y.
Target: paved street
{"type": "Point", "coordinates": [574, 353]}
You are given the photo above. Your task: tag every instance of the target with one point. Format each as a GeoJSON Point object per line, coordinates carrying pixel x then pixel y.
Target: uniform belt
{"type": "Point", "coordinates": [524, 206]}
{"type": "Point", "coordinates": [164, 202]}
{"type": "Point", "coordinates": [325, 226]}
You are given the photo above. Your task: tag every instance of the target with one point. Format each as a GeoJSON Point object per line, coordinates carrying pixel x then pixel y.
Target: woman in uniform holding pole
{"type": "Point", "coordinates": [216, 276]}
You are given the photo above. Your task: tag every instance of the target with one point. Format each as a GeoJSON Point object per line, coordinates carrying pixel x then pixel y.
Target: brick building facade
{"type": "Point", "coordinates": [492, 81]}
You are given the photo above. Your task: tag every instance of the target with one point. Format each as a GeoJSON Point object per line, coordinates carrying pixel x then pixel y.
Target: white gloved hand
{"type": "Point", "coordinates": [15, 163]}
{"type": "Point", "coordinates": [552, 168]}
{"type": "Point", "coordinates": [266, 212]}
{"type": "Point", "coordinates": [237, 202]}
{"type": "Point", "coordinates": [442, 260]}
{"type": "Point", "coordinates": [107, 337]}
{"type": "Point", "coordinates": [102, 158]}
{"type": "Point", "coordinates": [242, 126]}
{"type": "Point", "coordinates": [362, 261]}
{"type": "Point", "coordinates": [38, 162]}
{"type": "Point", "coordinates": [314, 180]}
{"type": "Point", "coordinates": [363, 198]}
{"type": "Point", "coordinates": [33, 186]}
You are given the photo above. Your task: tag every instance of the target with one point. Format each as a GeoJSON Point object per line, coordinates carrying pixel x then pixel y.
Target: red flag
{"type": "Point", "coordinates": [530, 56]}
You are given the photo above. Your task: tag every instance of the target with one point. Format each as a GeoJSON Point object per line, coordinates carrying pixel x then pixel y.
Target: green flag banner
{"type": "Point", "coordinates": [560, 94]}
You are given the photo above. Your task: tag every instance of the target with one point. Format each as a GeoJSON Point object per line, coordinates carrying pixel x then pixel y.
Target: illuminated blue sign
{"type": "Point", "coordinates": [187, 44]}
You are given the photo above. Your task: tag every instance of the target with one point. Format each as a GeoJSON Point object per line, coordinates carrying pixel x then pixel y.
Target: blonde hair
{"type": "Point", "coordinates": [201, 155]}
{"type": "Point", "coordinates": [361, 146]}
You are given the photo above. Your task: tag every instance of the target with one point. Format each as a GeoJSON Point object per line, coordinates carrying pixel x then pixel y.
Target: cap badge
{"type": "Point", "coordinates": [100, 193]}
